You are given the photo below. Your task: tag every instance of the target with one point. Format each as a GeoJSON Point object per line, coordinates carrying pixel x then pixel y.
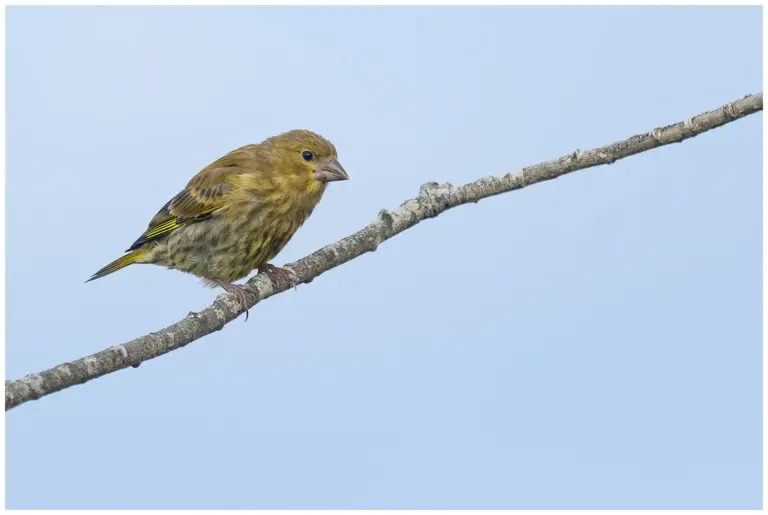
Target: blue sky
{"type": "Point", "coordinates": [590, 342]}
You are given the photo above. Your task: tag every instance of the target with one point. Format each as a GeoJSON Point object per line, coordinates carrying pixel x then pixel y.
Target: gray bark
{"type": "Point", "coordinates": [433, 199]}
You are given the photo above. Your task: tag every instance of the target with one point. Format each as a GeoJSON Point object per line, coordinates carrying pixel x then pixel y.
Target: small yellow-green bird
{"type": "Point", "coordinates": [239, 212]}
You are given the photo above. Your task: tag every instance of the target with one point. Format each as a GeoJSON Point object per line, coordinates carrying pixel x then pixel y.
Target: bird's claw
{"type": "Point", "coordinates": [285, 274]}
{"type": "Point", "coordinates": [239, 293]}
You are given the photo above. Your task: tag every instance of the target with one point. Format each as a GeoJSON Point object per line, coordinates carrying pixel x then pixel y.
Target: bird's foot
{"type": "Point", "coordinates": [239, 293]}
{"type": "Point", "coordinates": [286, 274]}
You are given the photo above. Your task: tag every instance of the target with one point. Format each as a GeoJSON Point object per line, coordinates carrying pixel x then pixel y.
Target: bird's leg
{"type": "Point", "coordinates": [285, 273]}
{"type": "Point", "coordinates": [239, 293]}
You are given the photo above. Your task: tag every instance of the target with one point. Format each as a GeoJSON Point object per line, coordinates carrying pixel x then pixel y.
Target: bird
{"type": "Point", "coordinates": [239, 212]}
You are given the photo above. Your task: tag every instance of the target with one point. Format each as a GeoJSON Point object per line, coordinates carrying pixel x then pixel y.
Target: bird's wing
{"type": "Point", "coordinates": [205, 193]}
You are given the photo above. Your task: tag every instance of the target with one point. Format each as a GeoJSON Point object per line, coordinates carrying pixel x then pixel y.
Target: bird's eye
{"type": "Point", "coordinates": [307, 155]}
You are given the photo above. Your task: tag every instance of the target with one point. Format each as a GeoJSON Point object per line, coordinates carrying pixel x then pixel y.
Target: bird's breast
{"type": "Point", "coordinates": [271, 221]}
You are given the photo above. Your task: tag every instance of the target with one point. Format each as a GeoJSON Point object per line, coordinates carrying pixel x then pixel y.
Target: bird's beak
{"type": "Point", "coordinates": [331, 171]}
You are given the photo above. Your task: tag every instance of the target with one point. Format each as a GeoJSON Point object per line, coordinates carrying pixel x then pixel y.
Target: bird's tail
{"type": "Point", "coordinates": [119, 263]}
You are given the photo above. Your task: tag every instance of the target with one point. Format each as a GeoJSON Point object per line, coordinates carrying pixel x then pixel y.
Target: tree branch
{"type": "Point", "coordinates": [433, 199]}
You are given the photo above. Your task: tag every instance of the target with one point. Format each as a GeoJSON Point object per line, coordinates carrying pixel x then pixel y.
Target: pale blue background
{"type": "Point", "coordinates": [591, 342]}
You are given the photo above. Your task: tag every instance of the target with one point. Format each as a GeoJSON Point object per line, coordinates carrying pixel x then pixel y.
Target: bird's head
{"type": "Point", "coordinates": [307, 157]}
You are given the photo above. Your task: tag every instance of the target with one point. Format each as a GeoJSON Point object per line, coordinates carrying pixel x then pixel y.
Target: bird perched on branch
{"type": "Point", "coordinates": [239, 212]}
